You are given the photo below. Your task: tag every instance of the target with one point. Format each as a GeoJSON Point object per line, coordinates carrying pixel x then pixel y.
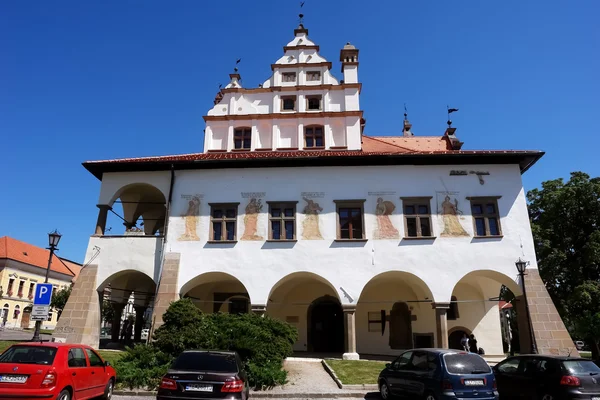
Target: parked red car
{"type": "Point", "coordinates": [55, 371]}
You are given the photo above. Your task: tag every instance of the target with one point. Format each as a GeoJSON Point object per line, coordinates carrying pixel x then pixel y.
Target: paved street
{"type": "Point", "coordinates": [9, 334]}
{"type": "Point", "coordinates": [153, 398]}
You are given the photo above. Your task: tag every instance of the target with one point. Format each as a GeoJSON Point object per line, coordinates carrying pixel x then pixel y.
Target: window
{"type": "Point", "coordinates": [417, 217]}
{"type": "Point", "coordinates": [223, 218]}
{"type": "Point", "coordinates": [288, 77]}
{"type": "Point", "coordinates": [403, 360]}
{"type": "Point", "coordinates": [313, 103]}
{"type": "Point", "coordinates": [375, 321]}
{"type": "Point", "coordinates": [419, 361]}
{"type": "Point", "coordinates": [31, 291]}
{"type": "Point", "coordinates": [350, 219]}
{"type": "Point", "coordinates": [466, 363]}
{"type": "Point", "coordinates": [282, 220]}
{"type": "Point", "coordinates": [288, 103]}
{"type": "Point", "coordinates": [205, 361]}
{"type": "Point", "coordinates": [486, 219]}
{"type": "Point", "coordinates": [16, 312]}
{"type": "Point", "coordinates": [313, 137]}
{"type": "Point", "coordinates": [76, 358]}
{"type": "Point", "coordinates": [11, 283]}
{"type": "Point", "coordinates": [452, 312]}
{"type": "Point", "coordinates": [22, 354]}
{"type": "Point", "coordinates": [21, 285]}
{"type": "Point", "coordinates": [242, 137]}
{"type": "Point", "coordinates": [313, 75]}
{"type": "Point", "coordinates": [95, 360]}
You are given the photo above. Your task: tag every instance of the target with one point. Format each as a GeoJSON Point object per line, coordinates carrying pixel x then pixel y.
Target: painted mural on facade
{"type": "Point", "coordinates": [451, 214]}
{"type": "Point", "coordinates": [191, 217]}
{"type": "Point", "coordinates": [385, 227]}
{"type": "Point", "coordinates": [310, 225]}
{"type": "Point", "coordinates": [253, 209]}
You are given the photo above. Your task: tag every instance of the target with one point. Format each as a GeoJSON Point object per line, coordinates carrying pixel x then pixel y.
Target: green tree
{"type": "Point", "coordinates": [107, 311]}
{"type": "Point", "coordinates": [565, 219]}
{"type": "Point", "coordinates": [585, 304]}
{"type": "Point", "coordinates": [59, 299]}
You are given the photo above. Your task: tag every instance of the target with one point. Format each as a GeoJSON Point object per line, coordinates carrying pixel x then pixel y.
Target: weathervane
{"type": "Point", "coordinates": [450, 111]}
{"type": "Point", "coordinates": [405, 113]}
{"type": "Point", "coordinates": [235, 69]}
{"type": "Point", "coordinates": [301, 15]}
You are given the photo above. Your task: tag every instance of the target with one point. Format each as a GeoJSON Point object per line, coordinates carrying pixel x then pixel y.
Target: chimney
{"type": "Point", "coordinates": [349, 59]}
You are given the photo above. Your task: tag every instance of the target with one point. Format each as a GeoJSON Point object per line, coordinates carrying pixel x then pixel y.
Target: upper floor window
{"type": "Point", "coordinates": [417, 217]}
{"type": "Point", "coordinates": [288, 77]}
{"type": "Point", "coordinates": [288, 103]}
{"type": "Point", "coordinates": [313, 137]}
{"type": "Point", "coordinates": [486, 219]}
{"type": "Point", "coordinates": [21, 285]}
{"type": "Point", "coordinates": [282, 221]}
{"type": "Point", "coordinates": [223, 221]}
{"type": "Point", "coordinates": [31, 288]}
{"type": "Point", "coordinates": [313, 103]}
{"type": "Point", "coordinates": [11, 283]}
{"type": "Point", "coordinates": [350, 219]}
{"type": "Point", "coordinates": [313, 76]}
{"type": "Point", "coordinates": [242, 138]}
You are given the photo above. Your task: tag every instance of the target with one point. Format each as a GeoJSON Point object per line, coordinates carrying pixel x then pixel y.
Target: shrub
{"type": "Point", "coordinates": [142, 366]}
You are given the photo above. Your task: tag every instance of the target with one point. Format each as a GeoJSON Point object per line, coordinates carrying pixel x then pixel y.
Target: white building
{"type": "Point", "coordinates": [366, 244]}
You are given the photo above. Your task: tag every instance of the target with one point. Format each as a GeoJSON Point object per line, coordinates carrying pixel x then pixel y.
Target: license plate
{"type": "Point", "coordinates": [199, 388]}
{"type": "Point", "coordinates": [13, 378]}
{"type": "Point", "coordinates": [473, 382]}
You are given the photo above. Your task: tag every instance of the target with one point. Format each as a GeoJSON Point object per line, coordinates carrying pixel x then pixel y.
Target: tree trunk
{"type": "Point", "coordinates": [595, 349]}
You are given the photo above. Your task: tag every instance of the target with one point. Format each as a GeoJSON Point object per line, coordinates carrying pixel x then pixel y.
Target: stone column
{"type": "Point", "coordinates": [139, 322]}
{"type": "Point", "coordinates": [102, 215]}
{"type": "Point", "coordinates": [80, 320]}
{"type": "Point", "coordinates": [116, 321]}
{"type": "Point", "coordinates": [349, 332]}
{"type": "Point", "coordinates": [167, 288]}
{"type": "Point", "coordinates": [259, 309]}
{"type": "Point", "coordinates": [441, 323]}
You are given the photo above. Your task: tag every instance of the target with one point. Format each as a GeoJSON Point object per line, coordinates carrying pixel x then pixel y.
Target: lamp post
{"type": "Point", "coordinates": [521, 266]}
{"type": "Point", "coordinates": [53, 239]}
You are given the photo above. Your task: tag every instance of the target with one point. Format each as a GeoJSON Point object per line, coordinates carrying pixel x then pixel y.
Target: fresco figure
{"type": "Point", "coordinates": [191, 220]}
{"type": "Point", "coordinates": [310, 225]}
{"type": "Point", "coordinates": [450, 213]}
{"type": "Point", "coordinates": [385, 228]}
{"type": "Point", "coordinates": [251, 220]}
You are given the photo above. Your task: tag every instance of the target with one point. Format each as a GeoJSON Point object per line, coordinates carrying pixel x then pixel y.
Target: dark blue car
{"type": "Point", "coordinates": [437, 374]}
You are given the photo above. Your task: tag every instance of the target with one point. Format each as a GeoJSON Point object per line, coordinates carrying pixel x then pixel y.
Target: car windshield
{"type": "Point", "coordinates": [466, 363]}
{"type": "Point", "coordinates": [581, 367]}
{"type": "Point", "coordinates": [29, 355]}
{"type": "Point", "coordinates": [213, 362]}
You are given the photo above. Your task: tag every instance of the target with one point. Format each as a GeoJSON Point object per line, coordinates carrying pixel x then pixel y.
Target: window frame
{"type": "Point", "coordinates": [21, 288]}
{"type": "Point", "coordinates": [288, 74]}
{"type": "Point", "coordinates": [309, 73]}
{"type": "Point", "coordinates": [314, 136]}
{"type": "Point", "coordinates": [357, 203]}
{"type": "Point", "coordinates": [241, 132]}
{"type": "Point", "coordinates": [312, 97]}
{"type": "Point", "coordinates": [223, 221]}
{"type": "Point", "coordinates": [416, 202]}
{"type": "Point", "coordinates": [483, 201]}
{"type": "Point", "coordinates": [282, 219]}
{"type": "Point", "coordinates": [294, 98]}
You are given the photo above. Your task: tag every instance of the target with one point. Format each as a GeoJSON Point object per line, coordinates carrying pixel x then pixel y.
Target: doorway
{"type": "Point", "coordinates": [400, 327]}
{"type": "Point", "coordinates": [25, 318]}
{"type": "Point", "coordinates": [326, 325]}
{"type": "Point", "coordinates": [455, 337]}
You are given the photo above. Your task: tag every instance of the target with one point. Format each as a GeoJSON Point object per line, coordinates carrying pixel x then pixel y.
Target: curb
{"type": "Point", "coordinates": [134, 393]}
{"type": "Point", "coordinates": [332, 374]}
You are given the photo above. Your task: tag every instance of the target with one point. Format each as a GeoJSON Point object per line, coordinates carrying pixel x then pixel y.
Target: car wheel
{"type": "Point", "coordinates": [384, 390]}
{"type": "Point", "coordinates": [547, 397]}
{"type": "Point", "coordinates": [108, 392]}
{"type": "Point", "coordinates": [64, 395]}
{"type": "Point", "coordinates": [430, 396]}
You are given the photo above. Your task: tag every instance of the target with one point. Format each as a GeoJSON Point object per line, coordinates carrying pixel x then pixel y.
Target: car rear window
{"type": "Point", "coordinates": [581, 366]}
{"type": "Point", "coordinates": [210, 362]}
{"type": "Point", "coordinates": [29, 355]}
{"type": "Point", "coordinates": [466, 363]}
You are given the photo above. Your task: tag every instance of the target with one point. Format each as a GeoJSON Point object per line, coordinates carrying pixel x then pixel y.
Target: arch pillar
{"type": "Point", "coordinates": [167, 288]}
{"type": "Point", "coordinates": [102, 216]}
{"type": "Point", "coordinates": [441, 323]}
{"type": "Point", "coordinates": [349, 332]}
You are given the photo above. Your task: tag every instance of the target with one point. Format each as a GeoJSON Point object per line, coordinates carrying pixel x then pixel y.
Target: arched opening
{"type": "Point", "coordinates": [215, 292]}
{"type": "Point", "coordinates": [5, 313]}
{"type": "Point", "coordinates": [137, 209]}
{"type": "Point", "coordinates": [26, 317]}
{"type": "Point", "coordinates": [126, 301]}
{"type": "Point", "coordinates": [325, 321]}
{"type": "Point", "coordinates": [479, 297]}
{"type": "Point", "coordinates": [394, 313]}
{"type": "Point", "coordinates": [310, 303]}
{"type": "Point", "coordinates": [456, 336]}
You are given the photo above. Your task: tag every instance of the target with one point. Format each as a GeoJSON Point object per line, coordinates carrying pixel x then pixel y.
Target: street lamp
{"type": "Point", "coordinates": [521, 267]}
{"type": "Point", "coordinates": [53, 239]}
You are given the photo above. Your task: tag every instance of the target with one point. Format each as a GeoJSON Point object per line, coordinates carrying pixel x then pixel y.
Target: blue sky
{"type": "Point", "coordinates": [86, 80]}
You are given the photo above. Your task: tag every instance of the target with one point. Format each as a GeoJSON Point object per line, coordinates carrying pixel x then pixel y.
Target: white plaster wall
{"type": "Point", "coordinates": [113, 182]}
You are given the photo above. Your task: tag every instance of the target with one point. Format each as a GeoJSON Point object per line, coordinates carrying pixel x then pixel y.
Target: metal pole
{"type": "Point", "coordinates": [38, 324]}
{"type": "Point", "coordinates": [531, 335]}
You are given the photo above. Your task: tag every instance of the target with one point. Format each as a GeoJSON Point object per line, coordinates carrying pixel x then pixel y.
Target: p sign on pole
{"type": "Point", "coordinates": [43, 294]}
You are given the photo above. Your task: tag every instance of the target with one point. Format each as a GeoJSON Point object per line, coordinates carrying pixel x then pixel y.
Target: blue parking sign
{"type": "Point", "coordinates": [43, 294]}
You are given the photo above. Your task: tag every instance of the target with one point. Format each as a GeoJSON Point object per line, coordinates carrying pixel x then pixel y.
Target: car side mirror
{"type": "Point", "coordinates": [388, 366]}
{"type": "Point", "coordinates": [106, 364]}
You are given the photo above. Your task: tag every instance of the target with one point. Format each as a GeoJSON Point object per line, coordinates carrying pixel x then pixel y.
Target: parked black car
{"type": "Point", "coordinates": [199, 374]}
{"type": "Point", "coordinates": [437, 374]}
{"type": "Point", "coordinates": [548, 378]}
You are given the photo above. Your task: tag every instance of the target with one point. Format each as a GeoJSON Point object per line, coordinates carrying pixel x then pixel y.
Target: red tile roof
{"type": "Point", "coordinates": [17, 250]}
